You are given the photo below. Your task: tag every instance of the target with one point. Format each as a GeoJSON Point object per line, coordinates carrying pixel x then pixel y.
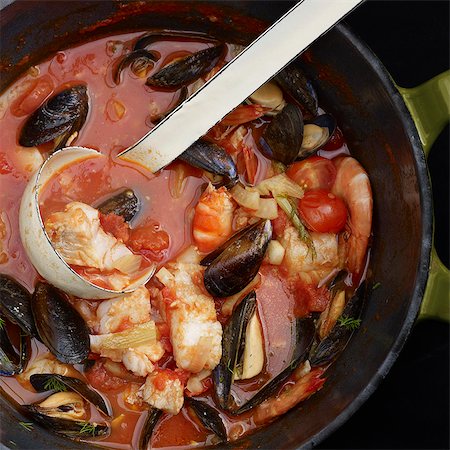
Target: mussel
{"type": "Point", "coordinates": [209, 417]}
{"type": "Point", "coordinates": [50, 381]}
{"type": "Point", "coordinates": [316, 133]}
{"type": "Point", "coordinates": [183, 95]}
{"type": "Point", "coordinates": [157, 35]}
{"type": "Point", "coordinates": [125, 204]}
{"type": "Point", "coordinates": [186, 70]}
{"type": "Point", "coordinates": [212, 158]}
{"type": "Point", "coordinates": [232, 343]}
{"type": "Point", "coordinates": [151, 420]}
{"type": "Point", "coordinates": [236, 262]}
{"type": "Point", "coordinates": [59, 325]}
{"type": "Point", "coordinates": [139, 60]}
{"type": "Point", "coordinates": [57, 119]}
{"type": "Point", "coordinates": [15, 304]}
{"type": "Point", "coordinates": [292, 80]}
{"type": "Point", "coordinates": [11, 361]}
{"type": "Point", "coordinates": [282, 138]}
{"type": "Point", "coordinates": [329, 348]}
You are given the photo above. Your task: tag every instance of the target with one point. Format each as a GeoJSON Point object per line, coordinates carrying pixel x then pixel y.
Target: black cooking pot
{"type": "Point", "coordinates": [353, 86]}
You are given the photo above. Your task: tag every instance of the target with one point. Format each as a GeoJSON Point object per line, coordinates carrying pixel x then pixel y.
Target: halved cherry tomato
{"type": "Point", "coordinates": [314, 172]}
{"type": "Point", "coordinates": [322, 211]}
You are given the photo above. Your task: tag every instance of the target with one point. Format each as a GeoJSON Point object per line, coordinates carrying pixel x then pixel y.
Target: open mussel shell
{"type": "Point", "coordinates": [58, 118]}
{"type": "Point", "coordinates": [186, 70]}
{"type": "Point", "coordinates": [60, 326]}
{"type": "Point", "coordinates": [50, 381]}
{"type": "Point", "coordinates": [15, 304]}
{"type": "Point", "coordinates": [151, 420]}
{"type": "Point", "coordinates": [282, 138]}
{"type": "Point", "coordinates": [333, 345]}
{"type": "Point", "coordinates": [72, 429]}
{"type": "Point", "coordinates": [305, 331]}
{"type": "Point", "coordinates": [212, 158]}
{"type": "Point", "coordinates": [183, 95]}
{"type": "Point", "coordinates": [233, 334]}
{"type": "Point", "coordinates": [316, 134]}
{"type": "Point", "coordinates": [158, 35]}
{"type": "Point", "coordinates": [209, 417]}
{"type": "Point", "coordinates": [138, 60]}
{"type": "Point", "coordinates": [235, 263]}
{"type": "Point", "coordinates": [124, 204]}
{"type": "Point", "coordinates": [294, 82]}
{"type": "Point", "coordinates": [11, 361]}
{"type": "Point", "coordinates": [46, 260]}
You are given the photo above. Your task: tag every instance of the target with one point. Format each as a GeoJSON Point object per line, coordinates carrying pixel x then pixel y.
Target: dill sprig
{"type": "Point", "coordinates": [349, 322]}
{"type": "Point", "coordinates": [2, 323]}
{"type": "Point", "coordinates": [26, 425]}
{"type": "Point", "coordinates": [376, 286]}
{"type": "Point", "coordinates": [53, 384]}
{"type": "Point", "coordinates": [88, 428]}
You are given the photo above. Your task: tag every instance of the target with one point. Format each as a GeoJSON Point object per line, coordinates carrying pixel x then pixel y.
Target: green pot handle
{"type": "Point", "coordinates": [429, 105]}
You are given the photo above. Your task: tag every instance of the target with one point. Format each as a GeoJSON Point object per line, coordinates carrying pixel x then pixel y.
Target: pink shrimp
{"type": "Point", "coordinates": [212, 224]}
{"type": "Point", "coordinates": [353, 186]}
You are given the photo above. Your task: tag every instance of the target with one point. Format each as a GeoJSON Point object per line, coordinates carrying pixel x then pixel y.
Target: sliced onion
{"type": "Point", "coordinates": [280, 185]}
{"type": "Point", "coordinates": [246, 197]}
{"type": "Point", "coordinates": [143, 334]}
{"type": "Point", "coordinates": [268, 209]}
{"type": "Point", "coordinates": [275, 253]}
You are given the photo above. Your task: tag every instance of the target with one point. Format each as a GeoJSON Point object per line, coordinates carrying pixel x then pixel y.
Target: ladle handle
{"type": "Point", "coordinates": [256, 64]}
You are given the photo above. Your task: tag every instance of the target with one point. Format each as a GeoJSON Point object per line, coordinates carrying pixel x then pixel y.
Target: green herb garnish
{"type": "Point", "coordinates": [53, 384]}
{"type": "Point", "coordinates": [349, 322]}
{"type": "Point", "coordinates": [88, 428]}
{"type": "Point", "coordinates": [376, 286]}
{"type": "Point", "coordinates": [2, 323]}
{"type": "Point", "coordinates": [26, 425]}
{"type": "Point", "coordinates": [13, 443]}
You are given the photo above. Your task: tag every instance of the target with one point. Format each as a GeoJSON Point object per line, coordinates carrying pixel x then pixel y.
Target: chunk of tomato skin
{"type": "Point", "coordinates": [322, 211]}
{"type": "Point", "coordinates": [280, 223]}
{"type": "Point", "coordinates": [310, 298]}
{"type": "Point", "coordinates": [99, 378]}
{"type": "Point", "coordinates": [149, 238]}
{"type": "Point", "coordinates": [115, 225]}
{"type": "Point", "coordinates": [315, 172]}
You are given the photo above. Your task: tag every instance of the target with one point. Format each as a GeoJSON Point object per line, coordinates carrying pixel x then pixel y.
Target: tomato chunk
{"type": "Point", "coordinates": [149, 240]}
{"type": "Point", "coordinates": [336, 141]}
{"type": "Point", "coordinates": [115, 225]}
{"type": "Point", "coordinates": [314, 172]}
{"type": "Point", "coordinates": [309, 298]}
{"type": "Point", "coordinates": [322, 211]}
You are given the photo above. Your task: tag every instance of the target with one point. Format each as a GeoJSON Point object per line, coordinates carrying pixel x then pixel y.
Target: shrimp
{"type": "Point", "coordinates": [300, 260]}
{"type": "Point", "coordinates": [353, 186]}
{"type": "Point", "coordinates": [195, 333]}
{"type": "Point", "coordinates": [212, 224]}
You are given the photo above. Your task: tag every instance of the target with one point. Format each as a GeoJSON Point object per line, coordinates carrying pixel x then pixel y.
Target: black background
{"type": "Point", "coordinates": [410, 409]}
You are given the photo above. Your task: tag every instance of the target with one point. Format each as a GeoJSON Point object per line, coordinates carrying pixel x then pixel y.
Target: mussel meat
{"type": "Point", "coordinates": [209, 417]}
{"type": "Point", "coordinates": [157, 35]}
{"type": "Point", "coordinates": [212, 158]}
{"type": "Point", "coordinates": [140, 60]}
{"type": "Point", "coordinates": [59, 325]}
{"type": "Point", "coordinates": [292, 80]}
{"type": "Point", "coordinates": [152, 419]}
{"type": "Point", "coordinates": [11, 361]}
{"type": "Point", "coordinates": [232, 339]}
{"type": "Point", "coordinates": [125, 204]}
{"type": "Point", "coordinates": [15, 304]}
{"type": "Point", "coordinates": [236, 262]}
{"type": "Point", "coordinates": [50, 381]}
{"type": "Point", "coordinates": [282, 138]}
{"type": "Point", "coordinates": [63, 405]}
{"type": "Point", "coordinates": [316, 133]}
{"type": "Point", "coordinates": [186, 70]}
{"type": "Point", "coordinates": [57, 119]}
{"type": "Point", "coordinates": [330, 348]}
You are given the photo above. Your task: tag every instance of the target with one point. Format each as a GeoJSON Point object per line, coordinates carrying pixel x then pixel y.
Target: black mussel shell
{"type": "Point", "coordinates": [233, 334]}
{"type": "Point", "coordinates": [333, 345]}
{"type": "Point", "coordinates": [124, 204]}
{"type": "Point", "coordinates": [147, 430]}
{"type": "Point", "coordinates": [11, 362]}
{"type": "Point", "coordinates": [282, 138]}
{"type": "Point", "coordinates": [50, 381]}
{"type": "Point", "coordinates": [237, 261]}
{"type": "Point", "coordinates": [328, 124]}
{"type": "Point", "coordinates": [186, 70]}
{"type": "Point", "coordinates": [305, 331]}
{"type": "Point", "coordinates": [212, 158]}
{"type": "Point", "coordinates": [58, 117]}
{"type": "Point", "coordinates": [15, 304]}
{"type": "Point", "coordinates": [292, 80]}
{"type": "Point", "coordinates": [72, 429]}
{"type": "Point", "coordinates": [153, 36]}
{"type": "Point", "coordinates": [181, 98]}
{"type": "Point", "coordinates": [209, 417]}
{"type": "Point", "coordinates": [142, 57]}
{"type": "Point", "coordinates": [60, 326]}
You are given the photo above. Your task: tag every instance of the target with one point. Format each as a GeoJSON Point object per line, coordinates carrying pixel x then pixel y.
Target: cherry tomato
{"type": "Point", "coordinates": [336, 141]}
{"type": "Point", "coordinates": [315, 172]}
{"type": "Point", "coordinates": [322, 211]}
